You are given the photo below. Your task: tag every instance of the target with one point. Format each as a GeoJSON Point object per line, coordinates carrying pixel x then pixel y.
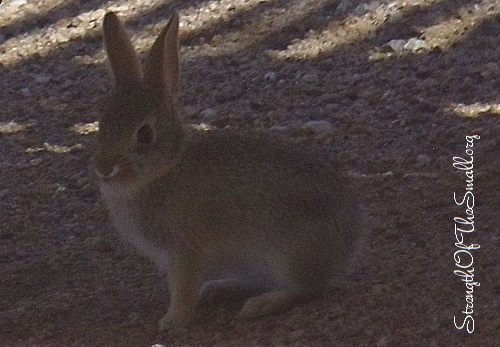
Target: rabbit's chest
{"type": "Point", "coordinates": [133, 228]}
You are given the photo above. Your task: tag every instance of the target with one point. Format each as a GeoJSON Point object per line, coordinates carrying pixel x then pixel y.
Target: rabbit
{"type": "Point", "coordinates": [218, 204]}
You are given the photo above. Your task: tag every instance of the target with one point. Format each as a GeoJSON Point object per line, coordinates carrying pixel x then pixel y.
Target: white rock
{"type": "Point", "coordinates": [414, 44]}
{"type": "Point", "coordinates": [397, 45]}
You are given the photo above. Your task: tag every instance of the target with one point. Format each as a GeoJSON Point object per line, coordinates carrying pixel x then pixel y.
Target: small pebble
{"type": "Point", "coordinates": [26, 92]}
{"type": "Point", "coordinates": [134, 317]}
{"type": "Point", "coordinates": [42, 79]}
{"type": "Point", "coordinates": [270, 76]}
{"type": "Point", "coordinates": [36, 161]}
{"type": "Point", "coordinates": [82, 182]}
{"type": "Point", "coordinates": [296, 335]}
{"type": "Point", "coordinates": [490, 70]}
{"type": "Point", "coordinates": [310, 77]}
{"type": "Point", "coordinates": [395, 17]}
{"type": "Point", "coordinates": [318, 126]}
{"type": "Point", "coordinates": [382, 342]}
{"type": "Point", "coordinates": [278, 128]}
{"type": "Point", "coordinates": [101, 244]}
{"type": "Point", "coordinates": [5, 234]}
{"type": "Point", "coordinates": [4, 193]}
{"type": "Point", "coordinates": [363, 9]}
{"type": "Point", "coordinates": [190, 111]}
{"type": "Point", "coordinates": [422, 160]}
{"type": "Point", "coordinates": [208, 114]}
{"type": "Point", "coordinates": [379, 289]}
{"type": "Point", "coordinates": [343, 7]}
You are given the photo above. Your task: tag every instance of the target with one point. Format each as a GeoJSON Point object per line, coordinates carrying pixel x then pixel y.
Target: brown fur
{"type": "Point", "coordinates": [217, 205]}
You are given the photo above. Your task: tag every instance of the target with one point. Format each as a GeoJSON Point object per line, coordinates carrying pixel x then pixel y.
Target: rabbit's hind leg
{"type": "Point", "coordinates": [296, 276]}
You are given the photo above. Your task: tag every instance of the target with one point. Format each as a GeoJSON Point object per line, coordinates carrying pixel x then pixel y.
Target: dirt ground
{"type": "Point", "coordinates": [399, 112]}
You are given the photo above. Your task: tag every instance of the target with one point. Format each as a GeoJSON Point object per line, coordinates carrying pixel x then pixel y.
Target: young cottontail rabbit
{"type": "Point", "coordinates": [214, 205]}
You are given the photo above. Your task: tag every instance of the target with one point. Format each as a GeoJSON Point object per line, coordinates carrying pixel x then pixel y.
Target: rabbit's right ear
{"type": "Point", "coordinates": [162, 68]}
{"type": "Point", "coordinates": [121, 54]}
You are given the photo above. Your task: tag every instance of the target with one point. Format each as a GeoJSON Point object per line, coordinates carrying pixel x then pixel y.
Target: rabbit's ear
{"type": "Point", "coordinates": [162, 69]}
{"type": "Point", "coordinates": [121, 54]}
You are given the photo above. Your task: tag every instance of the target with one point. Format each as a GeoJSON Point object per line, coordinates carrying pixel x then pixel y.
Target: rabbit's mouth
{"type": "Point", "coordinates": [111, 173]}
{"type": "Point", "coordinates": [107, 176]}
{"type": "Point", "coordinates": [109, 169]}
{"type": "Point", "coordinates": [122, 176]}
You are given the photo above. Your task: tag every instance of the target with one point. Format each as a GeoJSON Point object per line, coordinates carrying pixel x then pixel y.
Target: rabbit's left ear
{"type": "Point", "coordinates": [121, 54]}
{"type": "Point", "coordinates": [162, 69]}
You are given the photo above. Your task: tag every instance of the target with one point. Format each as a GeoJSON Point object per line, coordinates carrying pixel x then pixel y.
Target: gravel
{"type": "Point", "coordinates": [393, 119]}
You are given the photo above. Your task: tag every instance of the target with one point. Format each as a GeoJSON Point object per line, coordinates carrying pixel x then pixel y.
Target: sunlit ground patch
{"type": "Point", "coordinates": [474, 110]}
{"type": "Point", "coordinates": [13, 127]}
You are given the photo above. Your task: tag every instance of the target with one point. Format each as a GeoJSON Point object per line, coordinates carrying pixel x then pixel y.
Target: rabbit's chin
{"type": "Point", "coordinates": [120, 188]}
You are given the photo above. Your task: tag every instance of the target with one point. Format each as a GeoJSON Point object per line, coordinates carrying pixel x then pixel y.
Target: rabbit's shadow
{"type": "Point", "coordinates": [233, 291]}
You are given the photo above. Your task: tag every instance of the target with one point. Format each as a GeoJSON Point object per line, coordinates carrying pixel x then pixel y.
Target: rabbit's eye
{"type": "Point", "coordinates": [145, 135]}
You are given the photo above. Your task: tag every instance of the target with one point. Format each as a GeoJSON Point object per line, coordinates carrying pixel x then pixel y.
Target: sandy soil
{"type": "Point", "coordinates": [399, 113]}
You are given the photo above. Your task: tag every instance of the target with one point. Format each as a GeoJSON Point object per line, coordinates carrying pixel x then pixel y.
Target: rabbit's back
{"type": "Point", "coordinates": [233, 199]}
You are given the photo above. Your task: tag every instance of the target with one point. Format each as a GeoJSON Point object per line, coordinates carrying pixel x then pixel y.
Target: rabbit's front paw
{"type": "Point", "coordinates": [175, 319]}
{"type": "Point", "coordinates": [267, 304]}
